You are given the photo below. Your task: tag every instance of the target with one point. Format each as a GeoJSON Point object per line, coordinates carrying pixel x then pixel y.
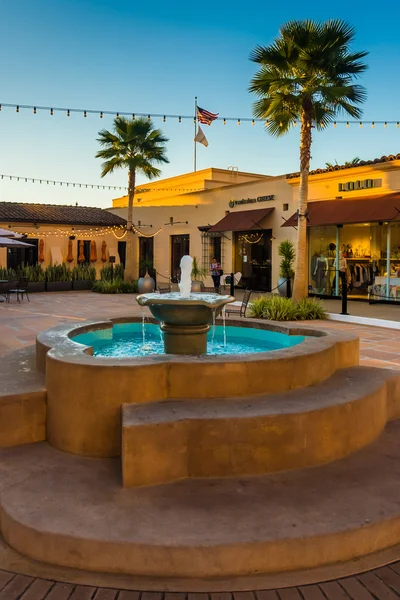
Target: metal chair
{"type": "Point", "coordinates": [19, 289]}
{"type": "Point", "coordinates": [11, 287]}
{"type": "Point", "coordinates": [164, 289]}
{"type": "Point", "coordinates": [239, 309]}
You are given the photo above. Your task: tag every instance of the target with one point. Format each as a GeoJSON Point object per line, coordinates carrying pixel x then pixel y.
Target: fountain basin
{"type": "Point", "coordinates": [185, 321]}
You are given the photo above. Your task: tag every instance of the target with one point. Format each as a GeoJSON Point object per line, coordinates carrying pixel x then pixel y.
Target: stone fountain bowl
{"type": "Point", "coordinates": [197, 309]}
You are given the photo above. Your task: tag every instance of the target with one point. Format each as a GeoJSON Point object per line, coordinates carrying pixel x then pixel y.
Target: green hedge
{"type": "Point", "coordinates": [83, 273]}
{"type": "Point", "coordinates": [118, 286]}
{"type": "Point", "coordinates": [277, 308]}
{"type": "Point", "coordinates": [111, 273]}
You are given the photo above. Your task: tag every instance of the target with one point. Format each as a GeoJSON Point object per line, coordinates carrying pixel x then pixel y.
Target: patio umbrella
{"type": "Point", "coordinates": [81, 257]}
{"type": "Point", "coordinates": [9, 234]}
{"type": "Point", "coordinates": [70, 256]}
{"type": "Point", "coordinates": [41, 251]}
{"type": "Point", "coordinates": [104, 251]}
{"type": "Point", "coordinates": [93, 251]}
{"type": "Point", "coordinates": [11, 243]}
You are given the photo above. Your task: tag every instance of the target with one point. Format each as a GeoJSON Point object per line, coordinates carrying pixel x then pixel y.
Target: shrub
{"type": "Point", "coordinates": [34, 273]}
{"type": "Point", "coordinates": [83, 273]}
{"type": "Point", "coordinates": [276, 308]}
{"type": "Point", "coordinates": [58, 273]}
{"type": "Point", "coordinates": [118, 286]}
{"type": "Point", "coordinates": [7, 274]}
{"type": "Point", "coordinates": [286, 251]}
{"type": "Point", "coordinates": [310, 308]}
{"type": "Point", "coordinates": [111, 273]}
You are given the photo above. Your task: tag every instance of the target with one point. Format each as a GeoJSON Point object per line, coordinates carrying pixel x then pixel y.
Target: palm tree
{"type": "Point", "coordinates": [135, 145]}
{"type": "Point", "coordinates": [354, 162]}
{"type": "Point", "coordinates": [306, 75]}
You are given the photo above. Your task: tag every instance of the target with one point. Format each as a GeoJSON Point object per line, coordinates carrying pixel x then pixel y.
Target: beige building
{"type": "Point", "coordinates": [55, 233]}
{"type": "Point", "coordinates": [240, 219]}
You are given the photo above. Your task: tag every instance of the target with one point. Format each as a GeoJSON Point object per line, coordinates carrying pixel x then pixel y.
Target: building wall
{"type": "Point", "coordinates": [207, 208]}
{"type": "Point", "coordinates": [56, 238]}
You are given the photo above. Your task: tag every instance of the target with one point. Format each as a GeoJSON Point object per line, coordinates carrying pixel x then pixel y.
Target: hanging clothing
{"type": "Point", "coordinates": [321, 269]}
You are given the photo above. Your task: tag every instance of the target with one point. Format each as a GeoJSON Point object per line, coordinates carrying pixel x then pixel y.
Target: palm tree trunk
{"type": "Point", "coordinates": [130, 273]}
{"type": "Point", "coordinates": [300, 288]}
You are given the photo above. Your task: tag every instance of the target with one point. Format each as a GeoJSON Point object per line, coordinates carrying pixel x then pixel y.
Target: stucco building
{"type": "Point", "coordinates": [240, 218]}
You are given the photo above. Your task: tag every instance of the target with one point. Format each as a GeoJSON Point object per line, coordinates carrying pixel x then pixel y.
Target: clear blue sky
{"type": "Point", "coordinates": [155, 57]}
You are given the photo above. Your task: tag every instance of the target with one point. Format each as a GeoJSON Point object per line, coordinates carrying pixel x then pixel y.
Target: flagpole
{"type": "Point", "coordinates": [195, 127]}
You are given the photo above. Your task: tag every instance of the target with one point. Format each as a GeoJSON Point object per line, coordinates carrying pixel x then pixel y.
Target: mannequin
{"type": "Point", "coordinates": [321, 269]}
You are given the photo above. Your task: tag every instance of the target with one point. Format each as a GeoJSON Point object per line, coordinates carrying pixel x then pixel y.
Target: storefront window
{"type": "Point", "coordinates": [253, 258]}
{"type": "Point", "coordinates": [322, 252]}
{"type": "Point", "coordinates": [212, 247]}
{"type": "Point", "coordinates": [386, 285]}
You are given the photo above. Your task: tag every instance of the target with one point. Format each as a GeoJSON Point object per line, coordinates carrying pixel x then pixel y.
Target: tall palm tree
{"type": "Point", "coordinates": [134, 145]}
{"type": "Point", "coordinates": [306, 75]}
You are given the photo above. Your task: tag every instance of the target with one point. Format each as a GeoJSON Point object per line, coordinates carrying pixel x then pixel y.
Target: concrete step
{"type": "Point", "coordinates": [22, 399]}
{"type": "Point", "coordinates": [71, 511]}
{"type": "Point", "coordinates": [176, 439]}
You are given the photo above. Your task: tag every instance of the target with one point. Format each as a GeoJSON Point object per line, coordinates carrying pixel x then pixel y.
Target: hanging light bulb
{"type": "Point", "coordinates": [360, 125]}
{"type": "Point", "coordinates": [224, 121]}
{"type": "Point", "coordinates": [17, 109]}
{"type": "Point", "coordinates": [133, 116]}
{"type": "Point", "coordinates": [68, 113]}
{"type": "Point", "coordinates": [294, 123]}
{"type": "Point", "coordinates": [397, 124]}
{"type": "Point", "coordinates": [101, 115]}
{"type": "Point", "coordinates": [252, 122]}
{"type": "Point", "coordinates": [385, 124]}
{"type": "Point", "coordinates": [238, 121]}
{"type": "Point", "coordinates": [372, 124]}
{"type": "Point", "coordinates": [334, 123]}
{"type": "Point", "coordinates": [51, 112]}
{"type": "Point", "coordinates": [148, 117]}
{"type": "Point", "coordinates": [280, 124]}
{"type": "Point", "coordinates": [347, 124]}
{"type": "Point", "coordinates": [34, 110]}
{"type": "Point", "coordinates": [179, 119]}
{"type": "Point", "coordinates": [117, 114]}
{"type": "Point", "coordinates": [84, 113]}
{"type": "Point", "coordinates": [164, 118]}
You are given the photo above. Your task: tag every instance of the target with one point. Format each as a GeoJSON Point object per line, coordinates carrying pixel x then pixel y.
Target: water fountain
{"type": "Point", "coordinates": [185, 317]}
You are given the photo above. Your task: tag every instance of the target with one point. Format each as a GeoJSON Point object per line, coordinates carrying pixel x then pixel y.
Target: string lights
{"type": "Point", "coordinates": [165, 117]}
{"type": "Point", "coordinates": [93, 186]}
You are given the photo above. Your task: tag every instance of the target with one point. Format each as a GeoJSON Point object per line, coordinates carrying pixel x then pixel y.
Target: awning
{"type": "Point", "coordinates": [354, 210]}
{"type": "Point", "coordinates": [244, 220]}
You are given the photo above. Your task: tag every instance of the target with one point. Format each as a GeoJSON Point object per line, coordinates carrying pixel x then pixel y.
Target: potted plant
{"type": "Point", "coordinates": [198, 275]}
{"type": "Point", "coordinates": [36, 277]}
{"type": "Point", "coordinates": [83, 277]}
{"type": "Point", "coordinates": [58, 278]}
{"type": "Point", "coordinates": [286, 273]}
{"type": "Point", "coordinates": [146, 283]}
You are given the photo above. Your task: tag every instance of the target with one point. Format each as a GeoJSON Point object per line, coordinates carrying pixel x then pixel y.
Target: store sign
{"type": "Point", "coordinates": [364, 184]}
{"type": "Point", "coordinates": [233, 203]}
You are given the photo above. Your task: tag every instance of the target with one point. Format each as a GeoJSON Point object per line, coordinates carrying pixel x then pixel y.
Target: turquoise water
{"type": "Point", "coordinates": [126, 340]}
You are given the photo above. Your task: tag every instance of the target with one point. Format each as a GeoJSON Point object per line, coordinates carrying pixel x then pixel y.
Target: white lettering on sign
{"type": "Point", "coordinates": [233, 203]}
{"type": "Point", "coordinates": [363, 184]}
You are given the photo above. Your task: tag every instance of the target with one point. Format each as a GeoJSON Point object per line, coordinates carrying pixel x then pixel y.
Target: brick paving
{"type": "Point", "coordinates": [379, 584]}
{"type": "Point", "coordinates": [19, 325]}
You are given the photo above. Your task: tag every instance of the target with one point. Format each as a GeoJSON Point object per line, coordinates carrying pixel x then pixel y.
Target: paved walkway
{"type": "Point", "coordinates": [380, 584]}
{"type": "Point", "coordinates": [19, 325]}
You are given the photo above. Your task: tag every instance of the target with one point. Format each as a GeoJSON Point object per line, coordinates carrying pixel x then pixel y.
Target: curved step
{"type": "Point", "coordinates": [71, 511]}
{"type": "Point", "coordinates": [171, 440]}
{"type": "Point", "coordinates": [22, 399]}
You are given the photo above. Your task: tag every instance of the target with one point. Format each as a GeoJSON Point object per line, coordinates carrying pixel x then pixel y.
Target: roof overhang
{"type": "Point", "coordinates": [244, 220]}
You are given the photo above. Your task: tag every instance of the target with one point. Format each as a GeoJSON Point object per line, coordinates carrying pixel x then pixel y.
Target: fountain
{"type": "Point", "coordinates": [185, 317]}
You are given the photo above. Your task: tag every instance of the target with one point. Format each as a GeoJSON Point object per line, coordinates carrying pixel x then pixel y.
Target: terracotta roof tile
{"type": "Point", "coordinates": [362, 163]}
{"type": "Point", "coordinates": [21, 212]}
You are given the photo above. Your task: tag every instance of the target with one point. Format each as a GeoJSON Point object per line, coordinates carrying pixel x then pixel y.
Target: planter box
{"type": "Point", "coordinates": [82, 285]}
{"type": "Point", "coordinates": [36, 286]}
{"type": "Point", "coordinates": [58, 286]}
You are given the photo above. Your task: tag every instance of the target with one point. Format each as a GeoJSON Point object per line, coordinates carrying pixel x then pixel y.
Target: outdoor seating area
{"type": "Point", "coordinates": [17, 287]}
{"type": "Point", "coordinates": [237, 308]}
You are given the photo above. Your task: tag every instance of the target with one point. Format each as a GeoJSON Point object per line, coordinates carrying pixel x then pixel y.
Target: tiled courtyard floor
{"type": "Point", "coordinates": [19, 325]}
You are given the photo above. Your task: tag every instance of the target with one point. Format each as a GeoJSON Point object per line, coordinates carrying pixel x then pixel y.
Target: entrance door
{"type": "Point", "coordinates": [146, 256]}
{"type": "Point", "coordinates": [179, 247]}
{"type": "Point", "coordinates": [253, 258]}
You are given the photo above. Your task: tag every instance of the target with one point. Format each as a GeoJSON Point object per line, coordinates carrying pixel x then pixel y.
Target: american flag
{"type": "Point", "coordinates": [206, 117]}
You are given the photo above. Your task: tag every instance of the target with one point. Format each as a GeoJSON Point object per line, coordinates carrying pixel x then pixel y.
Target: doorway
{"type": "Point", "coordinates": [180, 246]}
{"type": "Point", "coordinates": [146, 256]}
{"type": "Point", "coordinates": [18, 257]}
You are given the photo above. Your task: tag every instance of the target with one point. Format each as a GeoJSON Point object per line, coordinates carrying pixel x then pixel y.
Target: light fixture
{"type": "Point", "coordinates": [252, 122]}
{"type": "Point", "coordinates": [34, 110]}
{"type": "Point", "coordinates": [84, 113]}
{"type": "Point", "coordinates": [17, 109]}
{"type": "Point", "coordinates": [51, 112]}
{"type": "Point", "coordinates": [347, 124]}
{"type": "Point", "coordinates": [238, 121]}
{"type": "Point", "coordinates": [101, 115]}
{"type": "Point", "coordinates": [385, 124]}
{"type": "Point", "coordinates": [334, 123]}
{"type": "Point", "coordinates": [68, 113]}
{"type": "Point", "coordinates": [164, 118]}
{"type": "Point", "coordinates": [224, 121]}
{"type": "Point", "coordinates": [360, 125]}
{"type": "Point", "coordinates": [372, 124]}
{"type": "Point", "coordinates": [179, 119]}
